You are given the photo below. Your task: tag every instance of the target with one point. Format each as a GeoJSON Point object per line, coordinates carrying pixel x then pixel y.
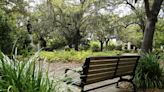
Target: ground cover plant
{"type": "Point", "coordinates": [73, 56]}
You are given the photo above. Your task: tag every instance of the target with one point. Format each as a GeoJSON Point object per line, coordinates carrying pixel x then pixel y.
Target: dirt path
{"type": "Point", "coordinates": [57, 69]}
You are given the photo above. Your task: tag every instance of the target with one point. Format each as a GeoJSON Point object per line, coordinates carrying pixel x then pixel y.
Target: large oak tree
{"type": "Point", "coordinates": [152, 10]}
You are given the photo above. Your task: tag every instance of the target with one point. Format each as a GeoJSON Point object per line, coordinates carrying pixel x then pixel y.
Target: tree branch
{"type": "Point", "coordinates": [132, 6]}
{"type": "Point", "coordinates": [156, 7]}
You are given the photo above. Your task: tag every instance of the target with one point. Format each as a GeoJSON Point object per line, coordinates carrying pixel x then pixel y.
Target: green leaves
{"type": "Point", "coordinates": [1, 55]}
{"type": "Point", "coordinates": [149, 72]}
{"type": "Point", "coordinates": [23, 76]}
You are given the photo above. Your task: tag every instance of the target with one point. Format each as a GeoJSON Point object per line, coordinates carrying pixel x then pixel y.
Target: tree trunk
{"type": "Point", "coordinates": [70, 45]}
{"type": "Point", "coordinates": [148, 36]}
{"type": "Point", "coordinates": [43, 42]}
{"type": "Point", "coordinates": [77, 40]}
{"type": "Point", "coordinates": [101, 45]}
{"type": "Point", "coordinates": [151, 13]}
{"type": "Point", "coordinates": [106, 43]}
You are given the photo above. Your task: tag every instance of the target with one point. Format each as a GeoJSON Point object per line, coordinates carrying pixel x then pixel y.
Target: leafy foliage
{"type": "Point", "coordinates": [132, 34]}
{"type": "Point", "coordinates": [23, 76]}
{"type": "Point", "coordinates": [149, 72]}
{"type": "Point", "coordinates": [95, 48]}
{"type": "Point", "coordinates": [159, 36]}
{"type": "Point", "coordinates": [6, 41]}
{"type": "Point", "coordinates": [29, 76]}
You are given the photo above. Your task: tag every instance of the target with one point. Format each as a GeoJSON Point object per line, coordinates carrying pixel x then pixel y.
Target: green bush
{"type": "Point", "coordinates": [118, 47]}
{"type": "Point", "coordinates": [56, 43]}
{"type": "Point", "coordinates": [158, 50]}
{"type": "Point", "coordinates": [84, 47]}
{"type": "Point", "coordinates": [6, 41]}
{"type": "Point", "coordinates": [95, 48]}
{"type": "Point", "coordinates": [110, 47]}
{"type": "Point", "coordinates": [149, 72]}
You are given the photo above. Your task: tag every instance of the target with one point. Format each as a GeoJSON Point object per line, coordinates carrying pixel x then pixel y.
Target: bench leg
{"type": "Point", "coordinates": [82, 88]}
{"type": "Point", "coordinates": [134, 86]}
{"type": "Point", "coordinates": [117, 84]}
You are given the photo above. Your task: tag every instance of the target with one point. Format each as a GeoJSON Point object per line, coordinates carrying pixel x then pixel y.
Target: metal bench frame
{"type": "Point", "coordinates": [85, 69]}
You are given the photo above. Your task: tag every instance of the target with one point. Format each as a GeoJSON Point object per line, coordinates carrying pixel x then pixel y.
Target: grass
{"type": "Point", "coordinates": [73, 56]}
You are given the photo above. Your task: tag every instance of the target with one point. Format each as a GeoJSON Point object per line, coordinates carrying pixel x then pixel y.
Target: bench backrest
{"type": "Point", "coordinates": [96, 69]}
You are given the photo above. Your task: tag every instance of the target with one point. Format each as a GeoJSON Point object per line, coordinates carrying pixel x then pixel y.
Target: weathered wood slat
{"type": "Point", "coordinates": [125, 66]}
{"type": "Point", "coordinates": [102, 66]}
{"type": "Point", "coordinates": [124, 69]}
{"type": "Point", "coordinates": [98, 79]}
{"type": "Point", "coordinates": [128, 58]}
{"type": "Point", "coordinates": [95, 62]}
{"type": "Point", "coordinates": [101, 70]}
{"type": "Point", "coordinates": [109, 73]}
{"type": "Point", "coordinates": [104, 57]}
{"type": "Point", "coordinates": [127, 63]}
{"type": "Point", "coordinates": [130, 72]}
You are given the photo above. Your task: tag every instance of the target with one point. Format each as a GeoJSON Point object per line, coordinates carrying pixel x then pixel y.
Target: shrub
{"type": "Point", "coordinates": [84, 47]}
{"type": "Point", "coordinates": [56, 43]}
{"type": "Point", "coordinates": [110, 47]}
{"type": "Point", "coordinates": [66, 48]}
{"type": "Point", "coordinates": [149, 72]}
{"type": "Point", "coordinates": [95, 48]}
{"type": "Point", "coordinates": [118, 47]}
{"type": "Point", "coordinates": [6, 41]}
{"type": "Point", "coordinates": [158, 50]}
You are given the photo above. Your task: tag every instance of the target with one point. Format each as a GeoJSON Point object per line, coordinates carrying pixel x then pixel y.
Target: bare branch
{"type": "Point", "coordinates": [132, 6]}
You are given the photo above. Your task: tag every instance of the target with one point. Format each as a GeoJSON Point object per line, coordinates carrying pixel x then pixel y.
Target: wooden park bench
{"type": "Point", "coordinates": [97, 69]}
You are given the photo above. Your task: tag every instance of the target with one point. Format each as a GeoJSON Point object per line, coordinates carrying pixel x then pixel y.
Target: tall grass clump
{"type": "Point", "coordinates": [149, 73]}
{"type": "Point", "coordinates": [23, 76]}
